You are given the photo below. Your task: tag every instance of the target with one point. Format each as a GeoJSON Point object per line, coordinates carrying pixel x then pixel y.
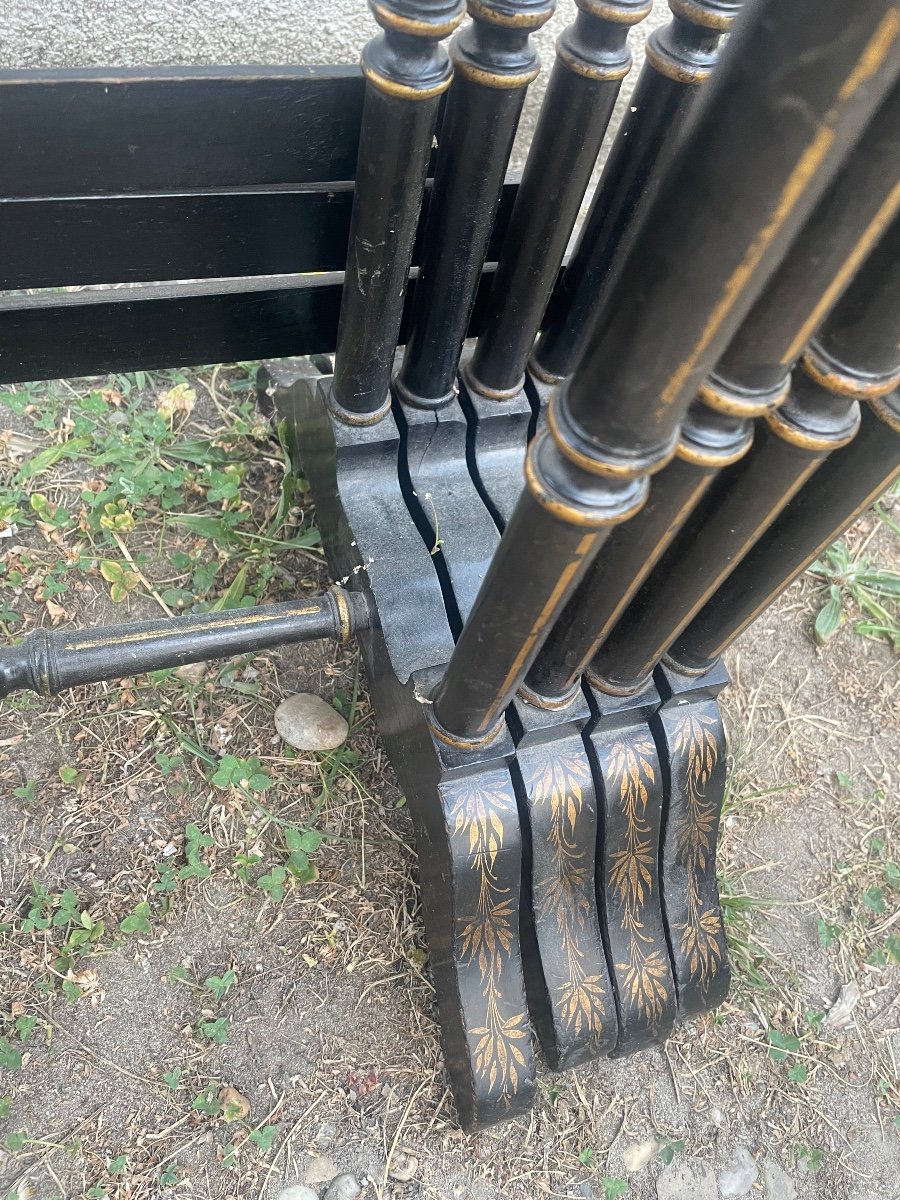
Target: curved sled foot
{"type": "Point", "coordinates": [627, 771]}
{"type": "Point", "coordinates": [691, 741]}
{"type": "Point", "coordinates": [461, 799]}
{"type": "Point", "coordinates": [472, 922]}
{"type": "Point", "coordinates": [566, 975]}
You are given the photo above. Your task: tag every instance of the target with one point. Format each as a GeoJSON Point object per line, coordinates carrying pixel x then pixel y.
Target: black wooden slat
{"type": "Point", "coordinates": [91, 333]}
{"type": "Point", "coordinates": [140, 239]}
{"type": "Point", "coordinates": [69, 132]}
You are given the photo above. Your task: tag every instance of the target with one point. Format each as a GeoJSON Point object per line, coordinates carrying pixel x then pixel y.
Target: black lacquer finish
{"type": "Point", "coordinates": [750, 380]}
{"type": "Point", "coordinates": [174, 129]}
{"type": "Point", "coordinates": [680, 57]}
{"type": "Point", "coordinates": [816, 419]}
{"type": "Point", "coordinates": [629, 777]}
{"type": "Point", "coordinates": [691, 739]}
{"type": "Point", "coordinates": [201, 234]}
{"type": "Point", "coordinates": [857, 351]}
{"type": "Point", "coordinates": [851, 218]}
{"type": "Point", "coordinates": [497, 441]}
{"type": "Point", "coordinates": [700, 267]}
{"type": "Point", "coordinates": [632, 551]}
{"type": "Point", "coordinates": [736, 509]}
{"type": "Point", "coordinates": [842, 489]}
{"type": "Point", "coordinates": [62, 335]}
{"type": "Point", "coordinates": [592, 59]}
{"type": "Point", "coordinates": [406, 73]}
{"type": "Point", "coordinates": [694, 272]}
{"type": "Point", "coordinates": [50, 660]}
{"type": "Point", "coordinates": [570, 996]}
{"type": "Point", "coordinates": [381, 552]}
{"type": "Point", "coordinates": [494, 62]}
{"type": "Point", "coordinates": [459, 532]}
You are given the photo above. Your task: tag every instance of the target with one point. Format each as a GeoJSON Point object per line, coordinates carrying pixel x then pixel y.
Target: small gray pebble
{"type": "Point", "coordinates": [345, 1187]}
{"type": "Point", "coordinates": [687, 1180]}
{"type": "Point", "coordinates": [739, 1176]}
{"type": "Point", "coordinates": [308, 722]}
{"type": "Point", "coordinates": [297, 1191]}
{"type": "Point", "coordinates": [320, 1170]}
{"type": "Point", "coordinates": [777, 1183]}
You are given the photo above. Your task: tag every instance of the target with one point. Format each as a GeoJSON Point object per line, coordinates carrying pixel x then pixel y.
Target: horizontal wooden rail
{"type": "Point", "coordinates": [71, 132]}
{"type": "Point", "coordinates": [234, 178]}
{"type": "Point", "coordinates": [51, 336]}
{"type": "Point", "coordinates": [142, 239]}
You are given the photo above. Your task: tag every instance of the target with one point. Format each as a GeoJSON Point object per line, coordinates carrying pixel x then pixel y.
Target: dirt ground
{"type": "Point", "coordinates": [185, 1012]}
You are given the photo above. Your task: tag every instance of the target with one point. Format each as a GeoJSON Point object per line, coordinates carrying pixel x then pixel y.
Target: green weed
{"type": "Point", "coordinates": [874, 590]}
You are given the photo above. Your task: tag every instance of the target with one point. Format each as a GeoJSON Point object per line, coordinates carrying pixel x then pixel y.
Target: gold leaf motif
{"type": "Point", "coordinates": [477, 810]}
{"type": "Point", "coordinates": [695, 755]}
{"type": "Point", "coordinates": [645, 980]}
{"type": "Point", "coordinates": [480, 808]}
{"type": "Point", "coordinates": [557, 783]}
{"type": "Point", "coordinates": [645, 976]}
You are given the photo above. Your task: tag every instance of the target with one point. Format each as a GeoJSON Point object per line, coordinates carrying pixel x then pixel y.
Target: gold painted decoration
{"type": "Point", "coordinates": [695, 740]}
{"type": "Point", "coordinates": [695, 755]}
{"type": "Point", "coordinates": [559, 781]}
{"type": "Point", "coordinates": [645, 976]}
{"type": "Point", "coordinates": [498, 1058]}
{"type": "Point", "coordinates": [557, 784]}
{"type": "Point", "coordinates": [479, 812]}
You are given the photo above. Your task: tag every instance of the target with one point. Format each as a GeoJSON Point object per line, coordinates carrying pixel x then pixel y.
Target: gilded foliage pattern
{"type": "Point", "coordinates": [478, 811]}
{"type": "Point", "coordinates": [645, 976]}
{"type": "Point", "coordinates": [696, 753]}
{"type": "Point", "coordinates": [556, 785]}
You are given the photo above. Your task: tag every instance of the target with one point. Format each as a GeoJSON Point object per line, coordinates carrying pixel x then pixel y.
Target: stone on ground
{"type": "Point", "coordinates": [307, 722]}
{"type": "Point", "coordinates": [777, 1184]}
{"type": "Point", "coordinates": [345, 1187]}
{"type": "Point", "coordinates": [687, 1180]}
{"type": "Point", "coordinates": [841, 1012]}
{"type": "Point", "coordinates": [235, 1104]}
{"type": "Point", "coordinates": [191, 672]}
{"type": "Point", "coordinates": [739, 1176]}
{"type": "Point", "coordinates": [638, 1154]}
{"type": "Point", "coordinates": [320, 1170]}
{"type": "Point", "coordinates": [297, 1191]}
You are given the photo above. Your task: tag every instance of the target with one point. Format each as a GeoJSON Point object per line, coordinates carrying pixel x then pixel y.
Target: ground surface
{"type": "Point", "coordinates": [183, 1016]}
